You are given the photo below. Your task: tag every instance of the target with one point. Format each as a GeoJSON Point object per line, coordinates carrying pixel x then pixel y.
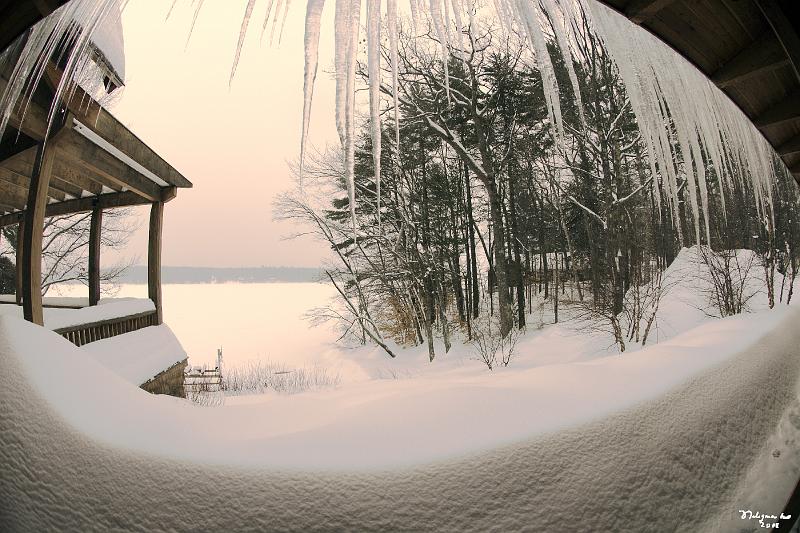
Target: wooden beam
{"type": "Point", "coordinates": [641, 10]}
{"type": "Point", "coordinates": [77, 149]}
{"type": "Point", "coordinates": [782, 25]}
{"type": "Point", "coordinates": [764, 55]}
{"type": "Point", "coordinates": [46, 7]}
{"type": "Point", "coordinates": [19, 263]}
{"type": "Point", "coordinates": [89, 113]}
{"type": "Point", "coordinates": [20, 15]}
{"type": "Point", "coordinates": [33, 123]}
{"type": "Point", "coordinates": [24, 181]}
{"type": "Point", "coordinates": [82, 177]}
{"type": "Point", "coordinates": [59, 187]}
{"type": "Point", "coordinates": [83, 205]}
{"type": "Point", "coordinates": [786, 110]}
{"type": "Point", "coordinates": [154, 257]}
{"type": "Point", "coordinates": [94, 255]}
{"type": "Point", "coordinates": [792, 146]}
{"type": "Point", "coordinates": [34, 226]}
{"type": "Point", "coordinates": [70, 178]}
{"type": "Point", "coordinates": [14, 195]}
{"type": "Point", "coordinates": [14, 142]}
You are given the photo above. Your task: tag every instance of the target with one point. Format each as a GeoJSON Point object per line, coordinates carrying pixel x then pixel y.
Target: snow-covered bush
{"type": "Point", "coordinates": [489, 346]}
{"type": "Point", "coordinates": [728, 278]}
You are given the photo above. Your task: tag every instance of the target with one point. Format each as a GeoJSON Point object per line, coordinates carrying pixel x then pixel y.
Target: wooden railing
{"type": "Point", "coordinates": [95, 331]}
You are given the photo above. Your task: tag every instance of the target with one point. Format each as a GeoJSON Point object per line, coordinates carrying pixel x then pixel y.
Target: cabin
{"type": "Point", "coordinates": [82, 161]}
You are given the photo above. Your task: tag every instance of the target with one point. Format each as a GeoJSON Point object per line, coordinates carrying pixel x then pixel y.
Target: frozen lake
{"type": "Point", "coordinates": [247, 320]}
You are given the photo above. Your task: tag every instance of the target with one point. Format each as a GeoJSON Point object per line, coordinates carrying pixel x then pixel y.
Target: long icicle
{"type": "Point", "coordinates": [349, 118]}
{"type": "Point", "coordinates": [283, 23]}
{"type": "Point", "coordinates": [313, 23]}
{"type": "Point", "coordinates": [248, 12]}
{"type": "Point", "coordinates": [391, 15]}
{"type": "Point", "coordinates": [374, 74]}
{"type": "Point", "coordinates": [342, 38]}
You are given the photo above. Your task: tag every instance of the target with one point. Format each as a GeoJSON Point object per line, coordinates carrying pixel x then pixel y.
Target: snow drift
{"type": "Point", "coordinates": [649, 441]}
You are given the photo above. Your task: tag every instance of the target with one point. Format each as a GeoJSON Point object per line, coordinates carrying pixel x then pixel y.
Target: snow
{"type": "Point", "coordinates": [106, 309]}
{"type": "Point", "coordinates": [687, 300]}
{"type": "Point", "coordinates": [139, 355]}
{"type": "Point", "coordinates": [99, 141]}
{"type": "Point", "coordinates": [62, 301]}
{"type": "Point", "coordinates": [108, 37]}
{"type": "Point", "coordinates": [646, 441]}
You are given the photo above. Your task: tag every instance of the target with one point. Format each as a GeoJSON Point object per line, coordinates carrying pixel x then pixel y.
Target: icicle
{"type": "Point", "coordinates": [441, 35]}
{"type": "Point", "coordinates": [414, 15]}
{"type": "Point", "coordinates": [171, 7]}
{"type": "Point", "coordinates": [446, 19]}
{"type": "Point", "coordinates": [342, 39]}
{"type": "Point", "coordinates": [391, 13]}
{"type": "Point", "coordinates": [248, 12]}
{"type": "Point", "coordinates": [458, 10]}
{"type": "Point", "coordinates": [558, 21]}
{"type": "Point", "coordinates": [70, 28]}
{"type": "Point", "coordinates": [532, 19]}
{"type": "Point", "coordinates": [194, 21]}
{"type": "Point", "coordinates": [283, 23]}
{"type": "Point", "coordinates": [374, 73]}
{"type": "Point", "coordinates": [708, 128]}
{"type": "Point", "coordinates": [275, 21]}
{"type": "Point", "coordinates": [313, 22]}
{"type": "Point", "coordinates": [265, 23]}
{"type": "Point", "coordinates": [349, 118]}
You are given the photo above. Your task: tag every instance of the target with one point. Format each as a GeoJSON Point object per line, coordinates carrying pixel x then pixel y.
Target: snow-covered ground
{"type": "Point", "coordinates": [674, 436]}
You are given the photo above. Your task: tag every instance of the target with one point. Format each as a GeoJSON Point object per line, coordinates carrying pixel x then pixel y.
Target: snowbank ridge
{"type": "Point", "coordinates": [111, 456]}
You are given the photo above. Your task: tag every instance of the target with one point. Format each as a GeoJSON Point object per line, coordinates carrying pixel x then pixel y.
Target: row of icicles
{"type": "Point", "coordinates": [675, 105]}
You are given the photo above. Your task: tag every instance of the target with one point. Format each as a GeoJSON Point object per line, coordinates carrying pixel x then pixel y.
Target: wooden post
{"type": "Point", "coordinates": [33, 226]}
{"type": "Point", "coordinates": [20, 263]}
{"type": "Point", "coordinates": [154, 257]}
{"type": "Point", "coordinates": [94, 255]}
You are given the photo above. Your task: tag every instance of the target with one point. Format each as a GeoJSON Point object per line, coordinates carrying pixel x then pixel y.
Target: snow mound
{"type": "Point", "coordinates": [139, 355]}
{"type": "Point", "coordinates": [689, 298]}
{"type": "Point", "coordinates": [650, 441]}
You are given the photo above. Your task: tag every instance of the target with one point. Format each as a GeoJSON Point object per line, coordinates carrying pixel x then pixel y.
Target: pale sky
{"type": "Point", "coordinates": [231, 142]}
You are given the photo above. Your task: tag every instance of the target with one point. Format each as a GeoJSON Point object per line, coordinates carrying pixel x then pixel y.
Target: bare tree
{"type": "Point", "coordinates": [65, 248]}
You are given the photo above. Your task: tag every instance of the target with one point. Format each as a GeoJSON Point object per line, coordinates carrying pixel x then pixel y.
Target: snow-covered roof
{"type": "Point", "coordinates": [109, 44]}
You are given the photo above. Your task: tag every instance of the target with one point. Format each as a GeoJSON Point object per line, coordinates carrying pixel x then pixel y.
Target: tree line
{"type": "Point", "coordinates": [486, 212]}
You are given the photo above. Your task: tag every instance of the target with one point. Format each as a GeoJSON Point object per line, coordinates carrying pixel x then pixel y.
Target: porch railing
{"type": "Point", "coordinates": [94, 331]}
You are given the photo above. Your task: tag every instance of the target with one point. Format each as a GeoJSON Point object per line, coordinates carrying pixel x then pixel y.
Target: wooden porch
{"type": "Point", "coordinates": [85, 160]}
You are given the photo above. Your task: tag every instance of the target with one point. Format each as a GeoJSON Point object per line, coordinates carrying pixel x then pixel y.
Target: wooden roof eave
{"type": "Point", "coordinates": [94, 117]}
{"type": "Point", "coordinates": [89, 203]}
